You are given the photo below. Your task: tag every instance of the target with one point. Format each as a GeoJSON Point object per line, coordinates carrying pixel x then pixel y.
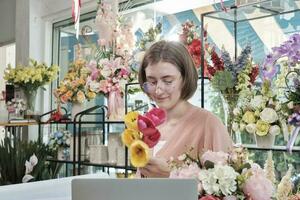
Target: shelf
{"type": "Point", "coordinates": [108, 165]}
{"type": "Point", "coordinates": [60, 161]}
{"type": "Point", "coordinates": [274, 148]}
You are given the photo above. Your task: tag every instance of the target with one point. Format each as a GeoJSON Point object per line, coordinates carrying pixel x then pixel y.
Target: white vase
{"type": "Point", "coordinates": [76, 108]}
{"type": "Point", "coordinates": [266, 141]}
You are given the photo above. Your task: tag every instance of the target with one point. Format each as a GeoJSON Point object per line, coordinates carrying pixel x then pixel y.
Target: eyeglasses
{"type": "Point", "coordinates": [166, 86]}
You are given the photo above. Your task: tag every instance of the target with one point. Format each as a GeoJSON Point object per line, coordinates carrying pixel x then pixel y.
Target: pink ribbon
{"type": "Point", "coordinates": [292, 140]}
{"type": "Point", "coordinates": [115, 105]}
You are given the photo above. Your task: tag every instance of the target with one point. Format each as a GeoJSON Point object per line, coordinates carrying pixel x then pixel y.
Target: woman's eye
{"type": "Point", "coordinates": [168, 82]}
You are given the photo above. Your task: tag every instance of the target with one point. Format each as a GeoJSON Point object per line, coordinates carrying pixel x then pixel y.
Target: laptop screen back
{"type": "Point", "coordinates": [134, 189]}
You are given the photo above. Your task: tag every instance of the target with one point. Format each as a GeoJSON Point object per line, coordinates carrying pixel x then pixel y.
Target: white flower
{"type": "Point", "coordinates": [257, 102]}
{"type": "Point", "coordinates": [219, 180]}
{"type": "Point", "coordinates": [68, 142]}
{"type": "Point", "coordinates": [290, 105]}
{"type": "Point", "coordinates": [94, 86]}
{"type": "Point", "coordinates": [33, 160]}
{"type": "Point", "coordinates": [274, 130]}
{"type": "Point", "coordinates": [236, 111]}
{"type": "Point", "coordinates": [251, 128]}
{"type": "Point", "coordinates": [27, 178]}
{"type": "Point", "coordinates": [28, 167]}
{"type": "Point", "coordinates": [235, 126]}
{"type": "Point", "coordinates": [269, 115]}
{"type": "Point", "coordinates": [139, 56]}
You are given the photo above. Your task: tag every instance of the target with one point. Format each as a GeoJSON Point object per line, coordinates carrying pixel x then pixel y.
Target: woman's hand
{"type": "Point", "coordinates": [156, 167]}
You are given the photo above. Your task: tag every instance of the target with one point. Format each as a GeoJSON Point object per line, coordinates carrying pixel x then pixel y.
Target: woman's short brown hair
{"type": "Point", "coordinates": [176, 54]}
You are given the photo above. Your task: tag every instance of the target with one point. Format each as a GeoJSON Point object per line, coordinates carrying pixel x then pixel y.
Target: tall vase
{"type": "Point", "coordinates": [116, 108]}
{"type": "Point", "coordinates": [76, 108]}
{"type": "Point", "coordinates": [30, 95]}
{"type": "Point", "coordinates": [230, 102]}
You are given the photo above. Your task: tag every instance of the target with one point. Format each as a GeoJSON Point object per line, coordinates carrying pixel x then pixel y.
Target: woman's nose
{"type": "Point", "coordinates": [159, 89]}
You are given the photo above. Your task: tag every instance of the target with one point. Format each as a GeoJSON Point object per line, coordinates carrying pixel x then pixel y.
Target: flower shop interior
{"type": "Point", "coordinates": [69, 86]}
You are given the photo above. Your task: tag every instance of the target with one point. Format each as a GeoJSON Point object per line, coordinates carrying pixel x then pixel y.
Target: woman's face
{"type": "Point", "coordinates": [163, 84]}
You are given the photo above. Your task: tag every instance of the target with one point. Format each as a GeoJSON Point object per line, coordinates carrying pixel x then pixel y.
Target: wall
{"type": "Point", "coordinates": [7, 21]}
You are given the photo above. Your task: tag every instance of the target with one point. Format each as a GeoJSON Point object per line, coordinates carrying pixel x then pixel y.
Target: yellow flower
{"type": "Point", "coordinates": [249, 117]}
{"type": "Point", "coordinates": [262, 128]}
{"type": "Point", "coordinates": [129, 135]}
{"type": "Point", "coordinates": [91, 95]}
{"type": "Point", "coordinates": [139, 152]}
{"type": "Point", "coordinates": [80, 97]}
{"type": "Point", "coordinates": [131, 120]}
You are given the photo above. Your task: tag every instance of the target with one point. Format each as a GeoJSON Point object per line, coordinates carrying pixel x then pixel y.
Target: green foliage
{"type": "Point", "coordinates": [222, 81]}
{"type": "Point", "coordinates": [13, 155]}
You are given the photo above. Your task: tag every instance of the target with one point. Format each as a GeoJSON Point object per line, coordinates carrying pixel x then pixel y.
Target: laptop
{"type": "Point", "coordinates": [134, 189]}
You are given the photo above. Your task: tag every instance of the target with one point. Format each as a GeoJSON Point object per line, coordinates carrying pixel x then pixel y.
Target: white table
{"type": "Point", "coordinates": [55, 189]}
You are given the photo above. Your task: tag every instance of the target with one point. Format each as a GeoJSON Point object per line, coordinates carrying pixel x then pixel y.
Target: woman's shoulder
{"type": "Point", "coordinates": [203, 113]}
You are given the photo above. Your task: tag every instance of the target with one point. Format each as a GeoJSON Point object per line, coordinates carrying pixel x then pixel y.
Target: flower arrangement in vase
{"type": "Point", "coordinates": [60, 141]}
{"type": "Point", "coordinates": [141, 134]}
{"type": "Point", "coordinates": [111, 67]}
{"type": "Point", "coordinates": [231, 176]}
{"type": "Point", "coordinates": [260, 115]}
{"type": "Point", "coordinates": [232, 79]}
{"type": "Point", "coordinates": [30, 78]}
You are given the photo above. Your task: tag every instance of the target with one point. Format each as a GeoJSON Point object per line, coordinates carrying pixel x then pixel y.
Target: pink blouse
{"type": "Point", "coordinates": [198, 129]}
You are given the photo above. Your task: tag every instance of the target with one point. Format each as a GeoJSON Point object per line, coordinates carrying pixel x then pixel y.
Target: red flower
{"type": "Point", "coordinates": [195, 47]}
{"type": "Point", "coordinates": [254, 74]}
{"type": "Point", "coordinates": [157, 116]}
{"type": "Point", "coordinates": [209, 197]}
{"type": "Point", "coordinates": [150, 134]}
{"type": "Point", "coordinates": [217, 61]}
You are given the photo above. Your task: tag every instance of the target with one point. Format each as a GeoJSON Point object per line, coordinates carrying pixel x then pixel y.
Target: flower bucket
{"type": "Point", "coordinates": [266, 141]}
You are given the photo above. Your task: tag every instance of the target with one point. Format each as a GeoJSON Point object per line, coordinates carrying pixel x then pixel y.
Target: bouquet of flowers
{"type": "Point", "coordinates": [16, 105]}
{"type": "Point", "coordinates": [141, 134]}
{"type": "Point", "coordinates": [59, 139]}
{"type": "Point", "coordinates": [73, 87]}
{"type": "Point", "coordinates": [232, 77]}
{"type": "Point", "coordinates": [190, 37]}
{"type": "Point", "coordinates": [31, 77]}
{"type": "Point", "coordinates": [231, 176]}
{"type": "Point", "coordinates": [261, 114]}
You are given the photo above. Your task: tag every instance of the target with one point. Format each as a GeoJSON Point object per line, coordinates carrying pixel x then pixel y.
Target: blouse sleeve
{"type": "Point", "coordinates": [216, 137]}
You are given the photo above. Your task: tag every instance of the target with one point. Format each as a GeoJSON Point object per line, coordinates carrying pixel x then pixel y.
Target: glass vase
{"type": "Point", "coordinates": [266, 141]}
{"type": "Point", "coordinates": [30, 95]}
{"type": "Point", "coordinates": [230, 102]}
{"type": "Point", "coordinates": [76, 108]}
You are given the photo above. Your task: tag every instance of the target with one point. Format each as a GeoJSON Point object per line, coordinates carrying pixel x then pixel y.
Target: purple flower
{"type": "Point", "coordinates": [270, 72]}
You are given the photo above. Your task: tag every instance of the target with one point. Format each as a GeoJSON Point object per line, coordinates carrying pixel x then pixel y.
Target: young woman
{"type": "Point", "coordinates": [169, 78]}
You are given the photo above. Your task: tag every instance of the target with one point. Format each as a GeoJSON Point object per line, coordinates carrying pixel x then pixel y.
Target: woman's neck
{"type": "Point", "coordinates": [176, 113]}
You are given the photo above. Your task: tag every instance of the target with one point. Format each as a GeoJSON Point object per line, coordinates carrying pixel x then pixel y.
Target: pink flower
{"type": "Point", "coordinates": [92, 66]}
{"type": "Point", "coordinates": [103, 86]}
{"type": "Point", "coordinates": [209, 197]}
{"type": "Point", "coordinates": [190, 171]}
{"type": "Point", "coordinates": [258, 187]}
{"type": "Point", "coordinates": [157, 115]}
{"type": "Point", "coordinates": [150, 134]}
{"type": "Point", "coordinates": [215, 157]}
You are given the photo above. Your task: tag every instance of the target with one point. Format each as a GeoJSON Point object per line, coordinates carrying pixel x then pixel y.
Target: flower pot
{"type": "Point", "coordinates": [266, 141]}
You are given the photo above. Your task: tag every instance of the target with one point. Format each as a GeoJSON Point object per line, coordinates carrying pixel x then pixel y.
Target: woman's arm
{"type": "Point", "coordinates": [156, 167]}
